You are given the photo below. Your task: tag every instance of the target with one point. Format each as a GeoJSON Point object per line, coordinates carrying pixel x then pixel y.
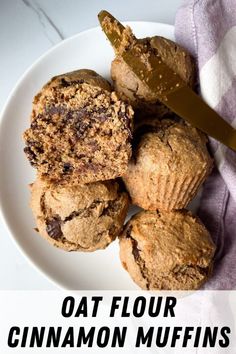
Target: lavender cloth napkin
{"type": "Point", "coordinates": [207, 28]}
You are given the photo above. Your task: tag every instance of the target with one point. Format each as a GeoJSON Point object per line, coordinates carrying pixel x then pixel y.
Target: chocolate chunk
{"type": "Point", "coordinates": [127, 122]}
{"type": "Point", "coordinates": [75, 115]}
{"type": "Point", "coordinates": [89, 166]}
{"type": "Point", "coordinates": [101, 114]}
{"type": "Point", "coordinates": [67, 167]}
{"type": "Point", "coordinates": [39, 150]}
{"type": "Point", "coordinates": [95, 167]}
{"type": "Point", "coordinates": [81, 129]}
{"type": "Point", "coordinates": [30, 155]}
{"type": "Point", "coordinates": [65, 83]}
{"type": "Point", "coordinates": [102, 117]}
{"type": "Point", "coordinates": [53, 228]}
{"type": "Point", "coordinates": [135, 249]}
{"type": "Point", "coordinates": [55, 110]}
{"type": "Point", "coordinates": [34, 124]}
{"type": "Point", "coordinates": [93, 145]}
{"type": "Point", "coordinates": [77, 119]}
{"type": "Point", "coordinates": [73, 215]}
{"type": "Point", "coordinates": [81, 156]}
{"type": "Point", "coordinates": [77, 82]}
{"type": "Point", "coordinates": [101, 110]}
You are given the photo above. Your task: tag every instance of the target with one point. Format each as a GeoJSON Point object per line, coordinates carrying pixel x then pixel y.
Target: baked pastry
{"type": "Point", "coordinates": [170, 162]}
{"type": "Point", "coordinates": [167, 250]}
{"type": "Point", "coordinates": [79, 218]}
{"type": "Point", "coordinates": [131, 89]}
{"type": "Point", "coordinates": [80, 131]}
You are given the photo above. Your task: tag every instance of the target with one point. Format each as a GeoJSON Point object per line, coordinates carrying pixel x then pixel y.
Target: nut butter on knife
{"type": "Point", "coordinates": [169, 88]}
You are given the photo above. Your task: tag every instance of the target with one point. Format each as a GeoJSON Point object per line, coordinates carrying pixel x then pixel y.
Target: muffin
{"type": "Point", "coordinates": [80, 131]}
{"type": "Point", "coordinates": [167, 250]}
{"type": "Point", "coordinates": [79, 218]}
{"type": "Point", "coordinates": [131, 89]}
{"type": "Point", "coordinates": [170, 162]}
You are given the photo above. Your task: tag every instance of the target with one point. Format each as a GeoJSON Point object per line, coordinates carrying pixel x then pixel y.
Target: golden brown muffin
{"type": "Point", "coordinates": [133, 90]}
{"type": "Point", "coordinates": [80, 131]}
{"type": "Point", "coordinates": [170, 161]}
{"type": "Point", "coordinates": [79, 218]}
{"type": "Point", "coordinates": [167, 250]}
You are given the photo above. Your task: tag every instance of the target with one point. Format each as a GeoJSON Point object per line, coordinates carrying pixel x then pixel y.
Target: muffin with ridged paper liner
{"type": "Point", "coordinates": [170, 162]}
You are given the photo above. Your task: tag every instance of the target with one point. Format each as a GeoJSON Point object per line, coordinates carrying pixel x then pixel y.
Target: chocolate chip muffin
{"type": "Point", "coordinates": [79, 218]}
{"type": "Point", "coordinates": [80, 131]}
{"type": "Point", "coordinates": [170, 162]}
{"type": "Point", "coordinates": [167, 250]}
{"type": "Point", "coordinates": [133, 90]}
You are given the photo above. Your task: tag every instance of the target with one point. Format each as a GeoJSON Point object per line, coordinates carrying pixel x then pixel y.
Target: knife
{"type": "Point", "coordinates": [169, 88]}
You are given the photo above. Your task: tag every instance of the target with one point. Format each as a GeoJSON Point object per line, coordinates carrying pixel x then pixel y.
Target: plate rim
{"type": "Point", "coordinates": [4, 219]}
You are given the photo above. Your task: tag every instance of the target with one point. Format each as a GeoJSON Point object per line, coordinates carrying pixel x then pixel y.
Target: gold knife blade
{"type": "Point", "coordinates": [170, 89]}
{"type": "Point", "coordinates": [114, 28]}
{"type": "Point", "coordinates": [201, 116]}
{"type": "Point", "coordinates": [177, 96]}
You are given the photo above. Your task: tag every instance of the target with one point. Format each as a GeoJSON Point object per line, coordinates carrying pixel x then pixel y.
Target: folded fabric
{"type": "Point", "coordinates": [207, 28]}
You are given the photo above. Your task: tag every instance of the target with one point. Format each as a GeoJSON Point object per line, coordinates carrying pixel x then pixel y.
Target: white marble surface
{"type": "Point", "coordinates": [27, 29]}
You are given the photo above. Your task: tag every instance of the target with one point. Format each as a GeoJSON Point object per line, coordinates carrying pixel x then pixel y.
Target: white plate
{"type": "Point", "coordinates": [98, 270]}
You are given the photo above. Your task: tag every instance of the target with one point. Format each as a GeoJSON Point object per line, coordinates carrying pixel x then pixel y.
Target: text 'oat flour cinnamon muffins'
{"type": "Point", "coordinates": [170, 161]}
{"type": "Point", "coordinates": [79, 218]}
{"type": "Point", "coordinates": [80, 131]}
{"type": "Point", "coordinates": [167, 250]}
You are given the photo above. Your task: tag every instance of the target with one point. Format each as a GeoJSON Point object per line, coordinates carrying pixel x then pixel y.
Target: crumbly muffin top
{"type": "Point", "coordinates": [168, 146]}
{"type": "Point", "coordinates": [171, 249]}
{"type": "Point", "coordinates": [79, 217]}
{"type": "Point", "coordinates": [173, 237]}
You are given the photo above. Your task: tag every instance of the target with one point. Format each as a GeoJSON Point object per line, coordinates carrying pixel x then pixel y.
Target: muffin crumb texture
{"type": "Point", "coordinates": [80, 131]}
